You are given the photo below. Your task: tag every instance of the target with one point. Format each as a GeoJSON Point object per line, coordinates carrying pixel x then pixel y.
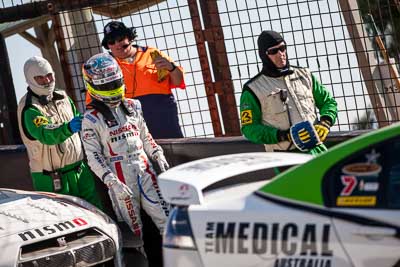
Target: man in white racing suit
{"type": "Point", "coordinates": [118, 146]}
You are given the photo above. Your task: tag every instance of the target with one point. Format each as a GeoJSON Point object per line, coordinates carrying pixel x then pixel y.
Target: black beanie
{"type": "Point", "coordinates": [266, 40]}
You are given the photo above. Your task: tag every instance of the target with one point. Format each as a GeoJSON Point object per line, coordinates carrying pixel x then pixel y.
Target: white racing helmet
{"type": "Point", "coordinates": [38, 66]}
{"type": "Point", "coordinates": [103, 79]}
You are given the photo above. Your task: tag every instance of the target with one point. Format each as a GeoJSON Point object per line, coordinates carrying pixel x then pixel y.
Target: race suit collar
{"type": "Point", "coordinates": [109, 117]}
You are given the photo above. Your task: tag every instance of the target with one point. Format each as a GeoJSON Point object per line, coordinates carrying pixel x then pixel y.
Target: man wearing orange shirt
{"type": "Point", "coordinates": [142, 81]}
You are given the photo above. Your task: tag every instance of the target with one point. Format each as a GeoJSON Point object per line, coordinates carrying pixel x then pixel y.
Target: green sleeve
{"type": "Point", "coordinates": [74, 110]}
{"type": "Point", "coordinates": [250, 116]}
{"type": "Point", "coordinates": [39, 127]}
{"type": "Point", "coordinates": [324, 101]}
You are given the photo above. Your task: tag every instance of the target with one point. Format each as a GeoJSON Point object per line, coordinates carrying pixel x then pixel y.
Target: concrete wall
{"type": "Point", "coordinates": [15, 168]}
{"type": "Point", "coordinates": [14, 163]}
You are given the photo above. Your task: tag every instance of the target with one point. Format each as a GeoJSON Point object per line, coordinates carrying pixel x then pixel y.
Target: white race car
{"type": "Point", "coordinates": [46, 229]}
{"type": "Point", "coordinates": [341, 208]}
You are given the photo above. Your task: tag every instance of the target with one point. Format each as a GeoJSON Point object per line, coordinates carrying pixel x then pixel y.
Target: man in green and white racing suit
{"type": "Point", "coordinates": [49, 124]}
{"type": "Point", "coordinates": [282, 95]}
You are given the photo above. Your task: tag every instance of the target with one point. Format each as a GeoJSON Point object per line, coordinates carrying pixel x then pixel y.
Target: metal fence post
{"type": "Point", "coordinates": [222, 85]}
{"type": "Point", "coordinates": [354, 25]}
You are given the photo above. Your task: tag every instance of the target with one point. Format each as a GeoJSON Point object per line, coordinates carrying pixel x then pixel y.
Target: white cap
{"type": "Point", "coordinates": [38, 66]}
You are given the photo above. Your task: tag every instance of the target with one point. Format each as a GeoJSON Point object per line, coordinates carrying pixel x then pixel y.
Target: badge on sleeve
{"type": "Point", "coordinates": [246, 117]}
{"type": "Point", "coordinates": [40, 120]}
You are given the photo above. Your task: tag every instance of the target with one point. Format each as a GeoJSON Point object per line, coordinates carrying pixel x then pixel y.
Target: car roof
{"type": "Point", "coordinates": [193, 177]}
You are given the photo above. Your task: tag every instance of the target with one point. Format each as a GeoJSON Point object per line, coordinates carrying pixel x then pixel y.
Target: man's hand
{"type": "Point", "coordinates": [121, 190]}
{"type": "Point", "coordinates": [75, 125]}
{"type": "Point", "coordinates": [159, 157]}
{"type": "Point", "coordinates": [322, 127]}
{"type": "Point", "coordinates": [304, 136]}
{"type": "Point", "coordinates": [162, 64]}
{"type": "Point", "coordinates": [283, 135]}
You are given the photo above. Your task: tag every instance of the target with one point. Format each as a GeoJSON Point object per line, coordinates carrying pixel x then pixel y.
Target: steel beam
{"type": "Point", "coordinates": [21, 26]}
{"type": "Point", "coordinates": [51, 7]}
{"type": "Point", "coordinates": [9, 134]}
{"type": "Point", "coordinates": [222, 86]}
{"type": "Point", "coordinates": [48, 50]}
{"type": "Point", "coordinates": [361, 44]}
{"type": "Point", "coordinates": [205, 67]}
{"type": "Point", "coordinates": [222, 73]}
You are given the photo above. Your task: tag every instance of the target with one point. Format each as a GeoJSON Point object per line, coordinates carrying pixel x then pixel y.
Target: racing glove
{"type": "Point", "coordinates": [121, 190]}
{"type": "Point", "coordinates": [317, 150]}
{"type": "Point", "coordinates": [159, 157]}
{"type": "Point", "coordinates": [283, 135]}
{"type": "Point", "coordinates": [322, 127]}
{"type": "Point", "coordinates": [304, 136]}
{"type": "Point", "coordinates": [75, 125]}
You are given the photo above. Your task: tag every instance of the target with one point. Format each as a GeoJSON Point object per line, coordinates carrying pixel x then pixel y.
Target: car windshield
{"type": "Point", "coordinates": [8, 195]}
{"type": "Point", "coordinates": [250, 177]}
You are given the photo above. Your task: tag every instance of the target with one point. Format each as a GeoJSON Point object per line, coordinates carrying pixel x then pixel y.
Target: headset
{"type": "Point", "coordinates": [116, 29]}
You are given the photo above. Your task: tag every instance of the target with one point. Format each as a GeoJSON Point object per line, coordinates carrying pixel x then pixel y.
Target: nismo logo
{"type": "Point", "coordinates": [123, 136]}
{"type": "Point", "coordinates": [52, 229]}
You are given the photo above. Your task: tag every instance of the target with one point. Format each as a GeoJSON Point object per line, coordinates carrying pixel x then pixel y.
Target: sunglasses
{"type": "Point", "coordinates": [116, 40]}
{"type": "Point", "coordinates": [273, 51]}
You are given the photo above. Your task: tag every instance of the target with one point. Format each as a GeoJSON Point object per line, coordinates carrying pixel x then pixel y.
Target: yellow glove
{"type": "Point", "coordinates": [322, 127]}
{"type": "Point", "coordinates": [162, 74]}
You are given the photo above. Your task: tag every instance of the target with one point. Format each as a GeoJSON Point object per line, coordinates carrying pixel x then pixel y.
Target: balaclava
{"type": "Point", "coordinates": [38, 66]}
{"type": "Point", "coordinates": [266, 40]}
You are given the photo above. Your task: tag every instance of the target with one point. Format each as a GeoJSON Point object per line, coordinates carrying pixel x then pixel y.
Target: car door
{"type": "Point", "coordinates": [364, 193]}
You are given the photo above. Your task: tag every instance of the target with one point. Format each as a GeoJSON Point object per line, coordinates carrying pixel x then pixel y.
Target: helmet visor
{"type": "Point", "coordinates": [111, 86]}
{"type": "Point", "coordinates": [106, 96]}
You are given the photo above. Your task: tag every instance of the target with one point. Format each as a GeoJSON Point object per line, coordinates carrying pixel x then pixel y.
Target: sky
{"type": "Point", "coordinates": [313, 30]}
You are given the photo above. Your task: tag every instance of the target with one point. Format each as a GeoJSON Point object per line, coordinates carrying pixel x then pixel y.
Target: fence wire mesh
{"type": "Point", "coordinates": [332, 38]}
